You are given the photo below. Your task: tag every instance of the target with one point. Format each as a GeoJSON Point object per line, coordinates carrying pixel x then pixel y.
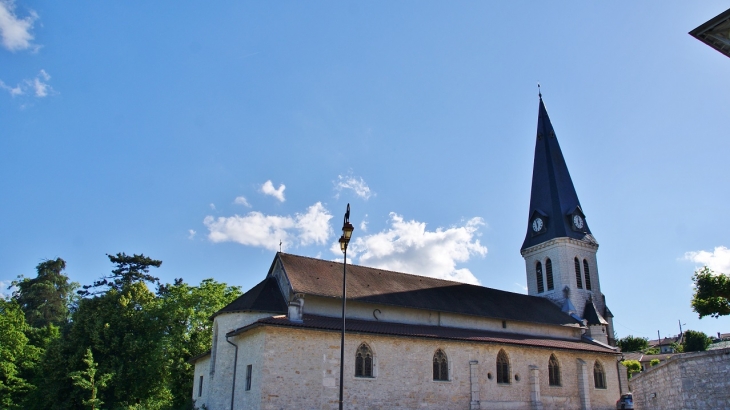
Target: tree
{"type": "Point", "coordinates": [129, 269]}
{"type": "Point", "coordinates": [632, 344]}
{"type": "Point", "coordinates": [17, 356]}
{"type": "Point", "coordinates": [712, 293]}
{"type": "Point", "coordinates": [694, 341]}
{"type": "Point", "coordinates": [632, 366]}
{"type": "Point", "coordinates": [87, 380]}
{"type": "Point", "coordinates": [654, 362]}
{"type": "Point", "coordinates": [45, 299]}
{"type": "Point", "coordinates": [186, 310]}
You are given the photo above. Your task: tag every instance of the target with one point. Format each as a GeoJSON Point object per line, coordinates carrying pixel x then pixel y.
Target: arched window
{"type": "Point", "coordinates": [554, 371]}
{"type": "Point", "coordinates": [578, 279]}
{"type": "Point", "coordinates": [587, 273]}
{"type": "Point", "coordinates": [440, 366]}
{"type": "Point", "coordinates": [364, 361]}
{"type": "Point", "coordinates": [549, 273]}
{"type": "Point", "coordinates": [503, 368]}
{"type": "Point", "coordinates": [538, 273]}
{"type": "Point", "coordinates": [599, 376]}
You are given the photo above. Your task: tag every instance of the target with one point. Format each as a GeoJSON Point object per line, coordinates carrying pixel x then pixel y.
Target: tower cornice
{"type": "Point", "coordinates": [556, 242]}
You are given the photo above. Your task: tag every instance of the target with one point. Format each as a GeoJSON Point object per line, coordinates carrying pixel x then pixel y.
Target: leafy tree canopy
{"type": "Point", "coordinates": [129, 269]}
{"type": "Point", "coordinates": [632, 344]}
{"type": "Point", "coordinates": [712, 293]}
{"type": "Point", "coordinates": [17, 356]}
{"type": "Point", "coordinates": [694, 341]}
{"type": "Point", "coordinates": [633, 366]}
{"type": "Point", "coordinates": [45, 299]}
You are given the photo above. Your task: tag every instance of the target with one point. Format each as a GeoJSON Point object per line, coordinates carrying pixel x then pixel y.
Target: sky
{"type": "Point", "coordinates": [206, 134]}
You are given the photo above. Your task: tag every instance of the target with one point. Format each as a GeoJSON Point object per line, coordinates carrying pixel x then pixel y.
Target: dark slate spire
{"type": "Point", "coordinates": [553, 198]}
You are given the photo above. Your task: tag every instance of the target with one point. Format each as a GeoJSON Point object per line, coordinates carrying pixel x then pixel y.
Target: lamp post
{"type": "Point", "coordinates": [347, 229]}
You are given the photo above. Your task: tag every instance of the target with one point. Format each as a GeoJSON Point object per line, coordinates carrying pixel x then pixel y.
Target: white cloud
{"type": "Point", "coordinates": [191, 233]}
{"type": "Point", "coordinates": [265, 231]}
{"type": "Point", "coordinates": [364, 225]}
{"type": "Point", "coordinates": [407, 246]}
{"type": "Point", "coordinates": [268, 189]}
{"type": "Point", "coordinates": [212, 206]}
{"type": "Point", "coordinates": [14, 31]}
{"type": "Point", "coordinates": [314, 226]}
{"type": "Point", "coordinates": [37, 86]}
{"type": "Point", "coordinates": [356, 184]}
{"type": "Point", "coordinates": [240, 200]}
{"type": "Point", "coordinates": [718, 260]}
{"type": "Point", "coordinates": [17, 90]}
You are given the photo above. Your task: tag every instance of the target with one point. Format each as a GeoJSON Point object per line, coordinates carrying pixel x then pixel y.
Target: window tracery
{"type": "Point", "coordinates": [364, 361]}
{"type": "Point", "coordinates": [503, 370]}
{"type": "Point", "coordinates": [440, 366]}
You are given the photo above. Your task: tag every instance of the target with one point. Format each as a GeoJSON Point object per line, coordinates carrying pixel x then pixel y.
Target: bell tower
{"type": "Point", "coordinates": [559, 248]}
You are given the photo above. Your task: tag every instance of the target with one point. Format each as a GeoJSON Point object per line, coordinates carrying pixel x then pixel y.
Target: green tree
{"type": "Point", "coordinates": [632, 344]}
{"type": "Point", "coordinates": [654, 362]}
{"type": "Point", "coordinates": [712, 293]}
{"type": "Point", "coordinates": [17, 356]}
{"type": "Point", "coordinates": [45, 299]}
{"type": "Point", "coordinates": [129, 270]}
{"type": "Point", "coordinates": [87, 380]}
{"type": "Point", "coordinates": [694, 341]}
{"type": "Point", "coordinates": [186, 310]}
{"type": "Point", "coordinates": [632, 366]}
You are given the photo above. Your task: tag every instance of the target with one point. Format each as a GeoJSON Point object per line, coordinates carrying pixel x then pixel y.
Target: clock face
{"type": "Point", "coordinates": [578, 221]}
{"type": "Point", "coordinates": [537, 224]}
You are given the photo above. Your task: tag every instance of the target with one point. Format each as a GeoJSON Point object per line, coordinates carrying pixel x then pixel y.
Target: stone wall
{"type": "Point", "coordinates": [699, 380]}
{"type": "Point", "coordinates": [299, 368]}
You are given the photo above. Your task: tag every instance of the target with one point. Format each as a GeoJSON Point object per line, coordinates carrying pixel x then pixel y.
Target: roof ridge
{"type": "Point", "coordinates": [409, 274]}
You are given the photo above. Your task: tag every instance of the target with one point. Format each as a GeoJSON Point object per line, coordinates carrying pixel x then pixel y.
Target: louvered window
{"type": "Point", "coordinates": [554, 371]}
{"type": "Point", "coordinates": [364, 361]}
{"type": "Point", "coordinates": [549, 274]}
{"type": "Point", "coordinates": [599, 376]}
{"type": "Point", "coordinates": [578, 279]}
{"type": "Point", "coordinates": [440, 366]}
{"type": "Point", "coordinates": [538, 273]}
{"type": "Point", "coordinates": [503, 376]}
{"type": "Point", "coordinates": [587, 274]}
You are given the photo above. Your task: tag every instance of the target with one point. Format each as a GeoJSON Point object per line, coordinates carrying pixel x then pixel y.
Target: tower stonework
{"type": "Point", "coordinates": [559, 248]}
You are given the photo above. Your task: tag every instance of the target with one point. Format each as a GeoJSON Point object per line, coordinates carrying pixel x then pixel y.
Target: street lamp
{"type": "Point", "coordinates": [347, 229]}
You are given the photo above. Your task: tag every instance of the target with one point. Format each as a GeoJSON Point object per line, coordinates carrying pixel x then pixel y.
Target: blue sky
{"type": "Point", "coordinates": [203, 134]}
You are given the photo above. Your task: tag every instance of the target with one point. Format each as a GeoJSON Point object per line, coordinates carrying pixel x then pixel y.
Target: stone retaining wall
{"type": "Point", "coordinates": [699, 380]}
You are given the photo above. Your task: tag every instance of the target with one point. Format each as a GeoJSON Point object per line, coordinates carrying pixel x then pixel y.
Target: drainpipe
{"type": "Point", "coordinates": [235, 363]}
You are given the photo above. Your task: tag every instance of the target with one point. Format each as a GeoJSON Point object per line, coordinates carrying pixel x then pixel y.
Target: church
{"type": "Point", "coordinates": [415, 342]}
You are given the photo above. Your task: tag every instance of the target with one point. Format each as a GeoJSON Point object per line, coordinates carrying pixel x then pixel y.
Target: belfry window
{"type": "Point", "coordinates": [440, 366]}
{"type": "Point", "coordinates": [554, 371]}
{"type": "Point", "coordinates": [578, 279]}
{"type": "Point", "coordinates": [538, 273]}
{"type": "Point", "coordinates": [599, 376]}
{"type": "Point", "coordinates": [549, 273]}
{"type": "Point", "coordinates": [503, 376]}
{"type": "Point", "coordinates": [364, 361]}
{"type": "Point", "coordinates": [587, 273]}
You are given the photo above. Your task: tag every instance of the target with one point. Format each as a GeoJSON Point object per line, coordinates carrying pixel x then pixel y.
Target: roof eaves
{"type": "Point", "coordinates": [195, 358]}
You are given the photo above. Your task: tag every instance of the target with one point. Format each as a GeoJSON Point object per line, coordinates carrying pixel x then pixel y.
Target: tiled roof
{"type": "Point", "coordinates": [324, 278]}
{"type": "Point", "coordinates": [264, 297]}
{"type": "Point", "coordinates": [195, 358]}
{"type": "Point", "coordinates": [422, 331]}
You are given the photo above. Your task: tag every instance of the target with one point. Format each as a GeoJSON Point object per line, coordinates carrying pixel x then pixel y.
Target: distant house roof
{"type": "Point", "coordinates": [641, 357]}
{"type": "Point", "coordinates": [422, 331]}
{"type": "Point", "coordinates": [719, 345]}
{"type": "Point", "coordinates": [264, 297]}
{"type": "Point", "coordinates": [665, 341]}
{"type": "Point", "coordinates": [324, 278]}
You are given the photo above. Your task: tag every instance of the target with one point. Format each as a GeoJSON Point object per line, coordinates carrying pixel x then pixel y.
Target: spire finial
{"type": "Point", "coordinates": [539, 93]}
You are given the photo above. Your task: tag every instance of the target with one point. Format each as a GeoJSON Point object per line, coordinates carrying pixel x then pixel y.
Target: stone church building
{"type": "Point", "coordinates": [416, 342]}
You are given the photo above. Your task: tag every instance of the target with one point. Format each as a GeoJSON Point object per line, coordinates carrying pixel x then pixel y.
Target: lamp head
{"type": "Point", "coordinates": [343, 244]}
